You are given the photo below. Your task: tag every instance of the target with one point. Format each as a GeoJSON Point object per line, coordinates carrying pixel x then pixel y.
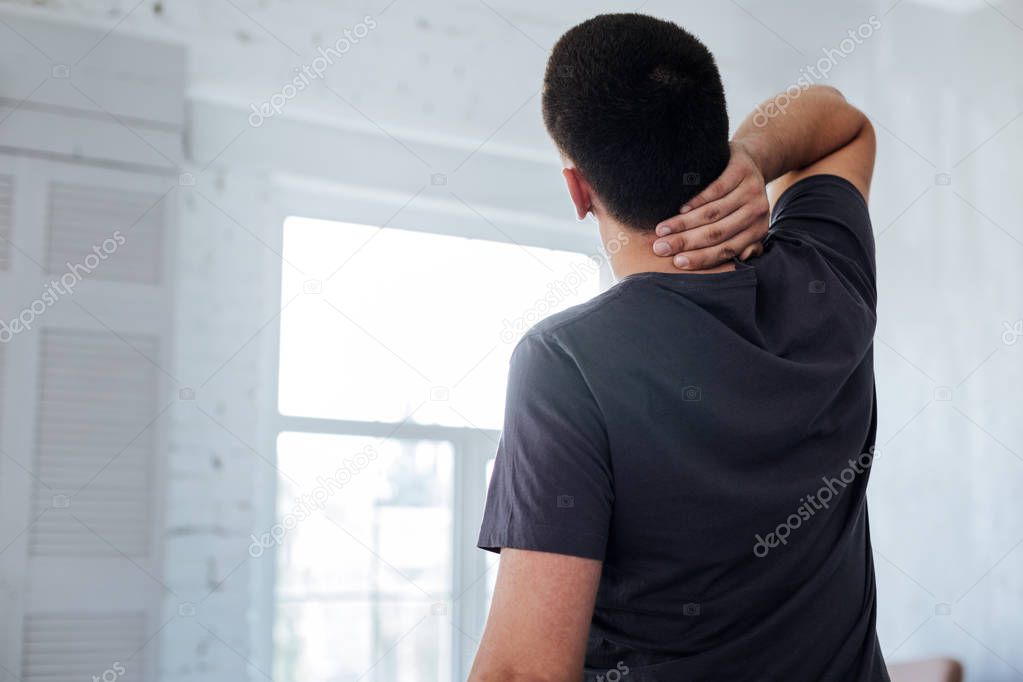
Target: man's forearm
{"type": "Point", "coordinates": [811, 126]}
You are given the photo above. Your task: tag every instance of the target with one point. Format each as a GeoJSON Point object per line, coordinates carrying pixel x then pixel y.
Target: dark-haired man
{"type": "Point", "coordinates": [679, 494]}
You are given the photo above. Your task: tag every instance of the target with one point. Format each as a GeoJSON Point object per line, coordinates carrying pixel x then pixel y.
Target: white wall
{"type": "Point", "coordinates": [945, 505]}
{"type": "Point", "coordinates": [451, 89]}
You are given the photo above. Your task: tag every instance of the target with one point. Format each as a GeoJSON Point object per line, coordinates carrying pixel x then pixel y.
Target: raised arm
{"type": "Point", "coordinates": [818, 132]}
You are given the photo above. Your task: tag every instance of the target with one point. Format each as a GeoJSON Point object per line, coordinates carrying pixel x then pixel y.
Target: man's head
{"type": "Point", "coordinates": [635, 104]}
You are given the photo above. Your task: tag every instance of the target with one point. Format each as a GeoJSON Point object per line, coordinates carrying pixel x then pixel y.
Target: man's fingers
{"type": "Point", "coordinates": [708, 213]}
{"type": "Point", "coordinates": [751, 251]}
{"type": "Point", "coordinates": [725, 183]}
{"type": "Point", "coordinates": [705, 235]}
{"type": "Point", "coordinates": [711, 256]}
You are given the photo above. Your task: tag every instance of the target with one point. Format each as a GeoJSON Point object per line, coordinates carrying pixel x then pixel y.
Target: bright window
{"type": "Point", "coordinates": [368, 554]}
{"type": "Point", "coordinates": [392, 324]}
{"type": "Point", "coordinates": [394, 349]}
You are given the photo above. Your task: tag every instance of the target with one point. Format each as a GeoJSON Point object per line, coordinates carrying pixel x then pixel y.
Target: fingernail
{"type": "Point", "coordinates": [661, 248]}
{"type": "Point", "coordinates": [685, 209]}
{"type": "Point", "coordinates": [662, 230]}
{"type": "Point", "coordinates": [681, 261]}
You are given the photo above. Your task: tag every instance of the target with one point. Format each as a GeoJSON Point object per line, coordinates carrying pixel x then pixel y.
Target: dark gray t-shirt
{"type": "Point", "coordinates": [709, 438]}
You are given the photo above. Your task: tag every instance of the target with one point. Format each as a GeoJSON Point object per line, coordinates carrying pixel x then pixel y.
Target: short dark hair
{"type": "Point", "coordinates": [638, 105]}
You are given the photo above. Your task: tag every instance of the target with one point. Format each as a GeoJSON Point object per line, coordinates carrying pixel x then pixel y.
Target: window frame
{"type": "Point", "coordinates": [421, 211]}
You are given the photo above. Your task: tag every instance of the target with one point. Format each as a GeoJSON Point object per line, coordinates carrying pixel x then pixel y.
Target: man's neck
{"type": "Point", "coordinates": [631, 251]}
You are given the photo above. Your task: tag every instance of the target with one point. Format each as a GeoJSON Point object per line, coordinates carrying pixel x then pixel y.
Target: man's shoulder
{"type": "Point", "coordinates": [579, 318]}
{"type": "Point", "coordinates": [559, 350]}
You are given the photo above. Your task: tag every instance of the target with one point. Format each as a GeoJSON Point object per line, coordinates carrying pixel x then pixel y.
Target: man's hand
{"type": "Point", "coordinates": [727, 219]}
{"type": "Point", "coordinates": [819, 133]}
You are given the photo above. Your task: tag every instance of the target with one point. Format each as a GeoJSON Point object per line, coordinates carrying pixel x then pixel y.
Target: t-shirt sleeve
{"type": "Point", "coordinates": [551, 489]}
{"type": "Point", "coordinates": [828, 212]}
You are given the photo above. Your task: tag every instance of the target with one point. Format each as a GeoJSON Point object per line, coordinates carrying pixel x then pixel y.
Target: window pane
{"type": "Point", "coordinates": [491, 558]}
{"type": "Point", "coordinates": [344, 642]}
{"type": "Point", "coordinates": [381, 324]}
{"type": "Point", "coordinates": [364, 529]}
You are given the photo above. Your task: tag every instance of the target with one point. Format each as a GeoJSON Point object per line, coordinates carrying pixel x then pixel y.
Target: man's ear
{"type": "Point", "coordinates": [579, 190]}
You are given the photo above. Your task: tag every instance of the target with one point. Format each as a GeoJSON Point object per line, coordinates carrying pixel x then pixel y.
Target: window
{"type": "Point", "coordinates": [358, 576]}
{"type": "Point", "coordinates": [394, 348]}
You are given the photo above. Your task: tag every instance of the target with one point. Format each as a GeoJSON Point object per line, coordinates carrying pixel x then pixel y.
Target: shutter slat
{"type": "Point", "coordinates": [83, 218]}
{"type": "Point", "coordinates": [105, 409]}
{"type": "Point", "coordinates": [81, 646]}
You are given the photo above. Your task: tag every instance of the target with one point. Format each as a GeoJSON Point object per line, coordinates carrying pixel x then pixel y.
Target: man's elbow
{"type": "Point", "coordinates": [867, 131]}
{"type": "Point", "coordinates": [828, 90]}
{"type": "Point", "coordinates": [856, 122]}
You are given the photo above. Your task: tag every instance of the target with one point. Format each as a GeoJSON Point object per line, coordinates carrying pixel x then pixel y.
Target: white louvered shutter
{"type": "Point", "coordinates": [96, 398]}
{"type": "Point", "coordinates": [89, 410]}
{"type": "Point", "coordinates": [91, 156]}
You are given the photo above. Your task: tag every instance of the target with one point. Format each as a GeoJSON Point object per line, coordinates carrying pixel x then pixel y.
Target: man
{"type": "Point", "coordinates": [679, 494]}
